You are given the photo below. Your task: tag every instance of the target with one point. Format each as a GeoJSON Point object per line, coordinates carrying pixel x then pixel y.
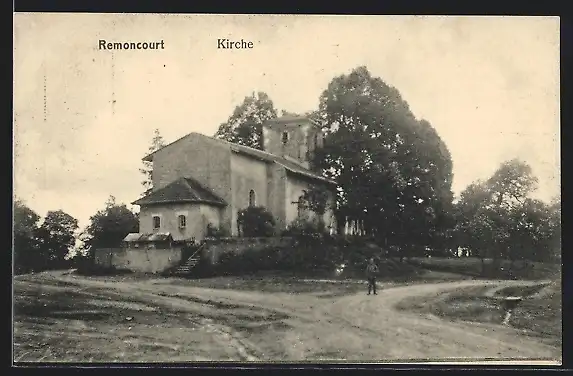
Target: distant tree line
{"type": "Point", "coordinates": [496, 218]}
{"type": "Point", "coordinates": [56, 243]}
{"type": "Point", "coordinates": [41, 246]}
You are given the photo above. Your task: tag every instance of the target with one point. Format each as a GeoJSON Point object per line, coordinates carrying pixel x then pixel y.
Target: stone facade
{"type": "Point", "coordinates": [294, 138]}
{"type": "Point", "coordinates": [239, 176]}
{"type": "Point", "coordinates": [197, 217]}
{"type": "Point", "coordinates": [141, 260]}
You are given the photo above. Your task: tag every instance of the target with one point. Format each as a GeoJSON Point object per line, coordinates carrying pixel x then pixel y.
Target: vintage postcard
{"type": "Point", "coordinates": [286, 188]}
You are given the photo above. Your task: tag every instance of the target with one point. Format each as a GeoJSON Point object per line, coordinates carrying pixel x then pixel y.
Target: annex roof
{"type": "Point", "coordinates": [135, 237]}
{"type": "Point", "coordinates": [182, 190]}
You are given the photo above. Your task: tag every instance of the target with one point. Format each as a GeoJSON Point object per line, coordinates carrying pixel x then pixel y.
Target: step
{"type": "Point", "coordinates": [187, 266]}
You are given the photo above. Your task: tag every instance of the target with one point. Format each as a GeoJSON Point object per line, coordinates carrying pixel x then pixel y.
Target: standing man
{"type": "Point", "coordinates": [371, 272]}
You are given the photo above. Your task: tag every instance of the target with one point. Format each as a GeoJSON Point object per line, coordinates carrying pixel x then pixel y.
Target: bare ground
{"type": "Point", "coordinates": [66, 317]}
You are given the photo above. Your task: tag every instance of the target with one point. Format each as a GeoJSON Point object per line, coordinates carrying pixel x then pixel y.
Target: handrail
{"type": "Point", "coordinates": [197, 251]}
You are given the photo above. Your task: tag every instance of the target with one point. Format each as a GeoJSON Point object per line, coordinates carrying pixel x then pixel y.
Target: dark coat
{"type": "Point", "coordinates": [371, 270]}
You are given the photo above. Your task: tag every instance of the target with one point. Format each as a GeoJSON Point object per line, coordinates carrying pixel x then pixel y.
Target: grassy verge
{"type": "Point", "coordinates": [500, 269]}
{"type": "Point", "coordinates": [519, 290]}
{"type": "Point", "coordinates": [273, 282]}
{"type": "Point", "coordinates": [540, 314]}
{"type": "Point", "coordinates": [304, 283]}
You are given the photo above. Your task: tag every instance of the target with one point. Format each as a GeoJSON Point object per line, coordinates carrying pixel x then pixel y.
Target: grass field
{"type": "Point", "coordinates": [324, 284]}
{"type": "Point", "coordinates": [495, 270]}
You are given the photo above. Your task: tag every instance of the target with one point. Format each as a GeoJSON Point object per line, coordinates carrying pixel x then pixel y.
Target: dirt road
{"type": "Point", "coordinates": [262, 326]}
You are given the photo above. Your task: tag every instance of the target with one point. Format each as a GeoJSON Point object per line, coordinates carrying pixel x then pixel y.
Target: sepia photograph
{"type": "Point", "coordinates": [333, 189]}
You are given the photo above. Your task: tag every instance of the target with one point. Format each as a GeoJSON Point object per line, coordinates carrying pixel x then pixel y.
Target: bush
{"type": "Point", "coordinates": [216, 232]}
{"type": "Point", "coordinates": [256, 222]}
{"type": "Point", "coordinates": [249, 261]}
{"type": "Point", "coordinates": [304, 258]}
{"type": "Point", "coordinates": [307, 231]}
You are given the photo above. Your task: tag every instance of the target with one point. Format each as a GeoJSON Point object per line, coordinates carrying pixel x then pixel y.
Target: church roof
{"type": "Point", "coordinates": [182, 190]}
{"type": "Point", "coordinates": [289, 165]}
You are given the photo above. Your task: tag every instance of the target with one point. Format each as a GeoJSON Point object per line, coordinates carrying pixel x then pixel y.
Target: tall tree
{"type": "Point", "coordinates": [512, 183]}
{"type": "Point", "coordinates": [147, 170]}
{"type": "Point", "coordinates": [56, 237]}
{"type": "Point", "coordinates": [509, 186]}
{"type": "Point", "coordinates": [25, 246]}
{"type": "Point", "coordinates": [109, 226]}
{"type": "Point", "coordinates": [244, 126]}
{"type": "Point", "coordinates": [554, 239]}
{"type": "Point", "coordinates": [497, 217]}
{"type": "Point", "coordinates": [394, 172]}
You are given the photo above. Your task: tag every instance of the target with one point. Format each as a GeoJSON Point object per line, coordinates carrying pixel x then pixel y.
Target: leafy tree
{"type": "Point", "coordinates": [109, 226]}
{"type": "Point", "coordinates": [214, 231]}
{"type": "Point", "coordinates": [511, 183]}
{"type": "Point", "coordinates": [244, 126]}
{"type": "Point", "coordinates": [474, 227]}
{"type": "Point", "coordinates": [394, 172]}
{"type": "Point", "coordinates": [498, 219]}
{"type": "Point", "coordinates": [156, 143]}
{"type": "Point", "coordinates": [509, 186]}
{"type": "Point", "coordinates": [256, 221]}
{"type": "Point", "coordinates": [316, 199]}
{"type": "Point", "coordinates": [554, 237]}
{"type": "Point", "coordinates": [25, 246]}
{"type": "Point", "coordinates": [56, 238]}
{"type": "Point", "coordinates": [530, 228]}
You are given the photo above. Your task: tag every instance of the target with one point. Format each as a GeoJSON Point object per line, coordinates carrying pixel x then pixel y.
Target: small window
{"type": "Point", "coordinates": [285, 137]}
{"type": "Point", "coordinates": [156, 222]}
{"type": "Point", "coordinates": [252, 198]}
{"type": "Point", "coordinates": [316, 140]}
{"type": "Point", "coordinates": [182, 221]}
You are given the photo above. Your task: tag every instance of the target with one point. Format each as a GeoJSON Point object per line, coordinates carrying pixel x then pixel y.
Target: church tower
{"type": "Point", "coordinates": [293, 138]}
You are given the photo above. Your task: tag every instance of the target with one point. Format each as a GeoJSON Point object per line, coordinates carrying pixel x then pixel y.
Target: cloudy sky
{"type": "Point", "coordinates": [490, 86]}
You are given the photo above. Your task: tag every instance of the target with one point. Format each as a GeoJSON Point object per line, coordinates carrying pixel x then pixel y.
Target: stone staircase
{"type": "Point", "coordinates": [186, 267]}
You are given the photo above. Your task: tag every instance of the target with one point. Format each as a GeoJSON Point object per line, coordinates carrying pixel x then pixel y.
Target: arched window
{"type": "Point", "coordinates": [182, 221]}
{"type": "Point", "coordinates": [252, 198]}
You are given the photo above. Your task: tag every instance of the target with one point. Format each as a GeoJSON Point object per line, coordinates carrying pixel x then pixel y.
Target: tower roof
{"type": "Point", "coordinates": [291, 119]}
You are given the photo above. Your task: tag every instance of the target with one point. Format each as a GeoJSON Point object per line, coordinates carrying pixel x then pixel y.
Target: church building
{"type": "Point", "coordinates": [200, 180]}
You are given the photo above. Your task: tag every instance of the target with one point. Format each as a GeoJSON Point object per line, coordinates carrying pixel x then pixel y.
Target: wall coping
{"type": "Point", "coordinates": [237, 239]}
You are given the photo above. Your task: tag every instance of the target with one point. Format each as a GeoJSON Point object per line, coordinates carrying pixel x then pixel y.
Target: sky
{"type": "Point", "coordinates": [84, 118]}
